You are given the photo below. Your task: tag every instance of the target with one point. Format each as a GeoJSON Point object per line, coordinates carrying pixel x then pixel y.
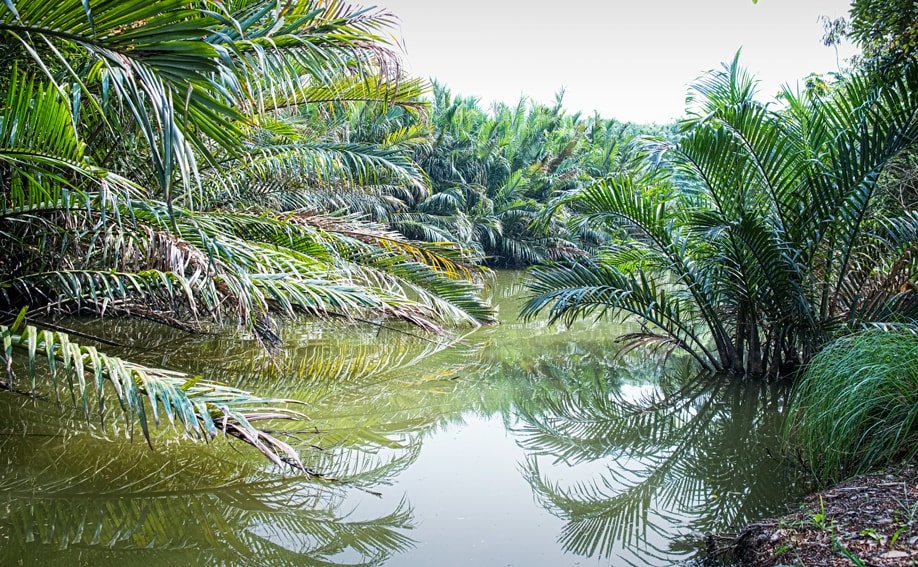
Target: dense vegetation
{"type": "Point", "coordinates": [160, 160]}
{"type": "Point", "coordinates": [885, 30]}
{"type": "Point", "coordinates": [492, 175]}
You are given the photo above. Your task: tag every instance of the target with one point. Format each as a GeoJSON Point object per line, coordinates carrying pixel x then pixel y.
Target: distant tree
{"type": "Point", "coordinates": [492, 173]}
{"type": "Point", "coordinates": [886, 30]}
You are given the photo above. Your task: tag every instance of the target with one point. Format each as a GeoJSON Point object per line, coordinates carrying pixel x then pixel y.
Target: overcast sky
{"type": "Point", "coordinates": [628, 59]}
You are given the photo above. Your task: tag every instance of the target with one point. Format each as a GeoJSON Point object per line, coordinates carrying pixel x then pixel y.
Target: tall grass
{"type": "Point", "coordinates": [856, 405]}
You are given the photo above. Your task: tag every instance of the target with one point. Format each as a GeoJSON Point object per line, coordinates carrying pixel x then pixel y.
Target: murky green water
{"type": "Point", "coordinates": [520, 445]}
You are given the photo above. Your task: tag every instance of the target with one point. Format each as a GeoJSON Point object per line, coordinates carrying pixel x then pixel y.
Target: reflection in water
{"type": "Point", "coordinates": [666, 468]}
{"type": "Point", "coordinates": [79, 501]}
{"type": "Point", "coordinates": [626, 462]}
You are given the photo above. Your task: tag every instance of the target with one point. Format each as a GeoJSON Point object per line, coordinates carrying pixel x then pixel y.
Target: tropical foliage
{"type": "Point", "coordinates": [886, 31]}
{"type": "Point", "coordinates": [762, 234]}
{"type": "Point", "coordinates": [492, 172]}
{"type": "Point", "coordinates": [158, 160]}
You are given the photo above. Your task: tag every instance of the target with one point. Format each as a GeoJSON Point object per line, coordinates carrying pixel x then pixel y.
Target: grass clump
{"type": "Point", "coordinates": [855, 407]}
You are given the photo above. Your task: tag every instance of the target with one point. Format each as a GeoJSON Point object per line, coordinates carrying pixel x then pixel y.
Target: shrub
{"type": "Point", "coordinates": [855, 406]}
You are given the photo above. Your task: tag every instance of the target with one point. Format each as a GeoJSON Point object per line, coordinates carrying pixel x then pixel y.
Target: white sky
{"type": "Point", "coordinates": [628, 59]}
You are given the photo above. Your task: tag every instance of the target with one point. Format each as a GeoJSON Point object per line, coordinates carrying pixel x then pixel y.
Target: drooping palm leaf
{"type": "Point", "coordinates": [146, 396]}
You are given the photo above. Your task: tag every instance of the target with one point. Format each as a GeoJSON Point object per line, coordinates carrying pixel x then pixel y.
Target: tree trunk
{"type": "Point", "coordinates": [754, 359]}
{"type": "Point", "coordinates": [739, 348]}
{"type": "Point", "coordinates": [777, 351]}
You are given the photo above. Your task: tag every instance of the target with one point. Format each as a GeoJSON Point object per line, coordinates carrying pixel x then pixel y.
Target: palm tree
{"type": "Point", "coordinates": [160, 159]}
{"type": "Point", "coordinates": [493, 172]}
{"type": "Point", "coordinates": [761, 234]}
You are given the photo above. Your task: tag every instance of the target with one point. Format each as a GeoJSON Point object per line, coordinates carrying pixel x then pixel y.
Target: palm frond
{"type": "Point", "coordinates": [146, 396]}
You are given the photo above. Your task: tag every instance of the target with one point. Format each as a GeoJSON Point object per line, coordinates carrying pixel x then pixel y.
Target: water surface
{"type": "Point", "coordinates": [519, 444]}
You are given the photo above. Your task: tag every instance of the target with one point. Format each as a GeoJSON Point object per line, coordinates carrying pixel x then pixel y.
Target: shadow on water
{"type": "Point", "coordinates": [578, 454]}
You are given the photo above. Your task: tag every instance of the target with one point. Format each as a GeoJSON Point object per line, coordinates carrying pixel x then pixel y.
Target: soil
{"type": "Point", "coordinates": [871, 520]}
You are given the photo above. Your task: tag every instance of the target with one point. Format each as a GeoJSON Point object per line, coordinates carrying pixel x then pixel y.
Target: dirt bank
{"type": "Point", "coordinates": [868, 521]}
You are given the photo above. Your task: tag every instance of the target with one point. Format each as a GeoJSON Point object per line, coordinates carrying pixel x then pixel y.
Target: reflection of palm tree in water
{"type": "Point", "coordinates": [682, 461]}
{"type": "Point", "coordinates": [89, 502]}
{"type": "Point", "coordinates": [116, 507]}
{"type": "Point", "coordinates": [95, 502]}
